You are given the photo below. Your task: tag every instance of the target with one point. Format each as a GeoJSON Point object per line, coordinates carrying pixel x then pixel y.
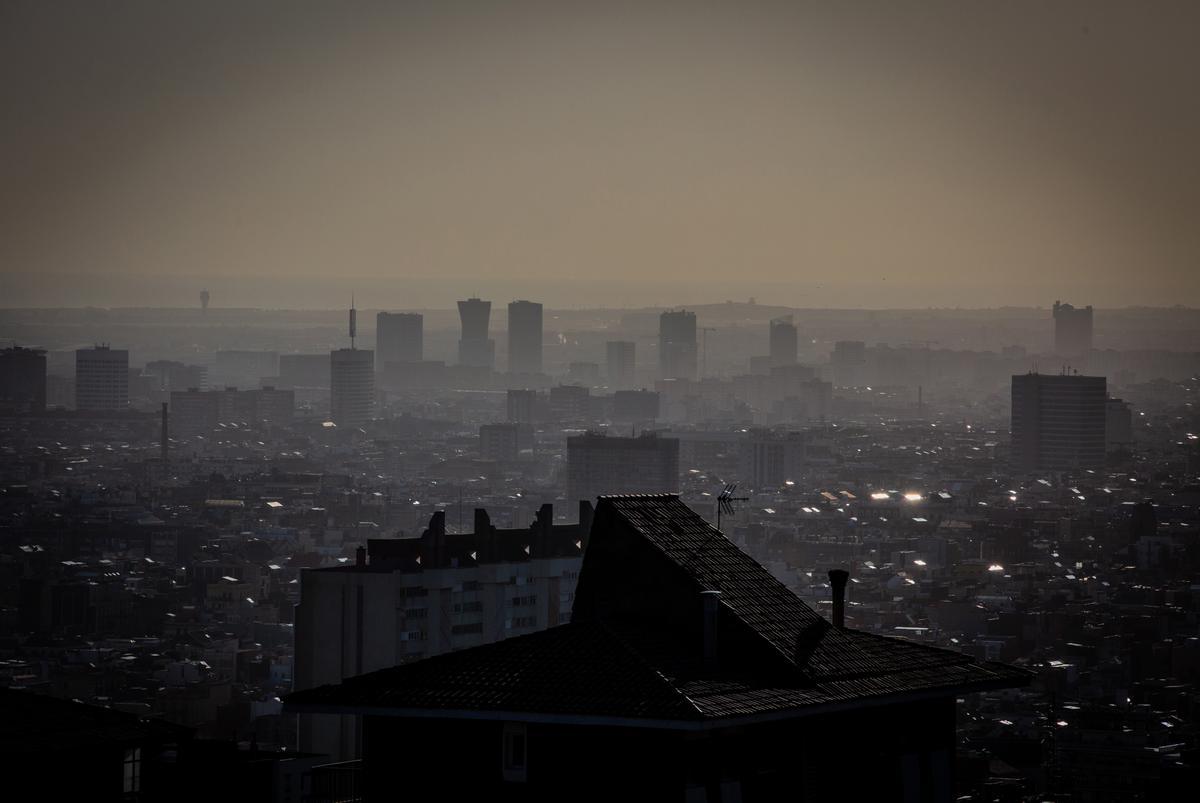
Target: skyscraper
{"type": "Point", "coordinates": [1072, 330]}
{"type": "Point", "coordinates": [677, 345]}
{"type": "Point", "coordinates": [620, 364]}
{"type": "Point", "coordinates": [351, 382]}
{"type": "Point", "coordinates": [101, 379]}
{"type": "Point", "coordinates": [524, 337]}
{"type": "Point", "coordinates": [22, 380]}
{"type": "Point", "coordinates": [1058, 422]}
{"type": "Point", "coordinates": [475, 348]}
{"type": "Point", "coordinates": [399, 337]}
{"type": "Point", "coordinates": [600, 464]}
{"type": "Point", "coordinates": [784, 348]}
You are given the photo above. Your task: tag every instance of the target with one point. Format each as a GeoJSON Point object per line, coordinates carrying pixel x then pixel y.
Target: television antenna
{"type": "Point", "coordinates": [725, 501]}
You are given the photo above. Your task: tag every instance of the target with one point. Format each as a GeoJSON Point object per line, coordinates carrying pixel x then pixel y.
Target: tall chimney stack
{"type": "Point", "coordinates": [711, 602]}
{"type": "Point", "coordinates": [837, 582]}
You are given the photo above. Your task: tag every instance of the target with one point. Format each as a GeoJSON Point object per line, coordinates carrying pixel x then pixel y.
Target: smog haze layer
{"type": "Point", "coordinates": [285, 154]}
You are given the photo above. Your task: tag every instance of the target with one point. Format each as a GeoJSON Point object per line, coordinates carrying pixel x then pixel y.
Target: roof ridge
{"type": "Point", "coordinates": [656, 672]}
{"type": "Point", "coordinates": [771, 582]}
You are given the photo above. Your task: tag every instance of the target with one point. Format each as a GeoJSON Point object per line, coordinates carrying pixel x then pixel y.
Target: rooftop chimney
{"type": "Point", "coordinates": [837, 582]}
{"type": "Point", "coordinates": [711, 601]}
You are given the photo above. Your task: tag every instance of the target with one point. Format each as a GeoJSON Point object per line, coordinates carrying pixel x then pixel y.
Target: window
{"type": "Point", "coordinates": [133, 771]}
{"type": "Point", "coordinates": [522, 602]}
{"type": "Point", "coordinates": [459, 630]}
{"type": "Point", "coordinates": [514, 752]}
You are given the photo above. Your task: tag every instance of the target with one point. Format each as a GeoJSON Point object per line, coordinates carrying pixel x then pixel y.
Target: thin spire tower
{"type": "Point", "coordinates": [353, 321]}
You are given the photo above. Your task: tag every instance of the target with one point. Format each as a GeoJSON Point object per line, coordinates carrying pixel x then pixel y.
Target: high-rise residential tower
{"type": "Point", "coordinates": [784, 342]}
{"type": "Point", "coordinates": [524, 337]}
{"type": "Point", "coordinates": [1058, 422]}
{"type": "Point", "coordinates": [399, 337]}
{"type": "Point", "coordinates": [620, 364]}
{"type": "Point", "coordinates": [677, 345]}
{"type": "Point", "coordinates": [601, 464]}
{"type": "Point", "coordinates": [475, 348]}
{"type": "Point", "coordinates": [22, 380]}
{"type": "Point", "coordinates": [1072, 330]}
{"type": "Point", "coordinates": [101, 379]}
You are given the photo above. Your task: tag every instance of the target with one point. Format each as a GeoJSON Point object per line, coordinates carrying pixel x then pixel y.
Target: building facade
{"type": "Point", "coordinates": [677, 345]}
{"type": "Point", "coordinates": [475, 347]}
{"type": "Point", "coordinates": [22, 380]}
{"type": "Point", "coordinates": [418, 597]}
{"type": "Point", "coordinates": [601, 464]}
{"type": "Point", "coordinates": [101, 379]}
{"type": "Point", "coordinates": [524, 337]}
{"type": "Point", "coordinates": [1058, 422]}
{"type": "Point", "coordinates": [784, 342]}
{"type": "Point", "coordinates": [1072, 330]}
{"type": "Point", "coordinates": [619, 364]}
{"type": "Point", "coordinates": [352, 386]}
{"type": "Point", "coordinates": [399, 337]}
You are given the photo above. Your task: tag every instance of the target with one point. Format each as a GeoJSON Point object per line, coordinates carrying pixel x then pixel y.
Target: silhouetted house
{"type": "Point", "coordinates": [687, 673]}
{"type": "Point", "coordinates": [64, 750]}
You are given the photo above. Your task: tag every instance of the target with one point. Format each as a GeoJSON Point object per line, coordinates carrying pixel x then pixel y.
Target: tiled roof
{"type": "Point", "coordinates": [582, 669]}
{"type": "Point", "coordinates": [617, 667]}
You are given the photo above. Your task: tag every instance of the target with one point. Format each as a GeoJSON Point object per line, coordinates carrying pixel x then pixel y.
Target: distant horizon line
{"type": "Point", "coordinates": [600, 308]}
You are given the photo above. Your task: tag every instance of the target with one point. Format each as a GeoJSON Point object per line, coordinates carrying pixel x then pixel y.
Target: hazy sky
{"type": "Point", "coordinates": [843, 154]}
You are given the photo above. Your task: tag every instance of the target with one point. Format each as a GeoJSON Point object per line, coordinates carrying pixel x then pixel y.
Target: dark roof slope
{"type": "Point", "coordinates": [631, 659]}
{"type": "Point", "coordinates": [32, 722]}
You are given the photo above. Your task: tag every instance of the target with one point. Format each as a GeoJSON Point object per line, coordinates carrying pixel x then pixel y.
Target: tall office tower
{"type": "Point", "coordinates": [101, 379]}
{"type": "Point", "coordinates": [22, 380]}
{"type": "Point", "coordinates": [351, 382]}
{"type": "Point", "coordinates": [599, 464]}
{"type": "Point", "coordinates": [620, 364]}
{"type": "Point", "coordinates": [399, 337]}
{"type": "Point", "coordinates": [784, 344]}
{"type": "Point", "coordinates": [475, 348]}
{"type": "Point", "coordinates": [524, 337]}
{"type": "Point", "coordinates": [677, 345]}
{"type": "Point", "coordinates": [1058, 422]}
{"type": "Point", "coordinates": [521, 405]}
{"type": "Point", "coordinates": [1072, 330]}
{"type": "Point", "coordinates": [410, 598]}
